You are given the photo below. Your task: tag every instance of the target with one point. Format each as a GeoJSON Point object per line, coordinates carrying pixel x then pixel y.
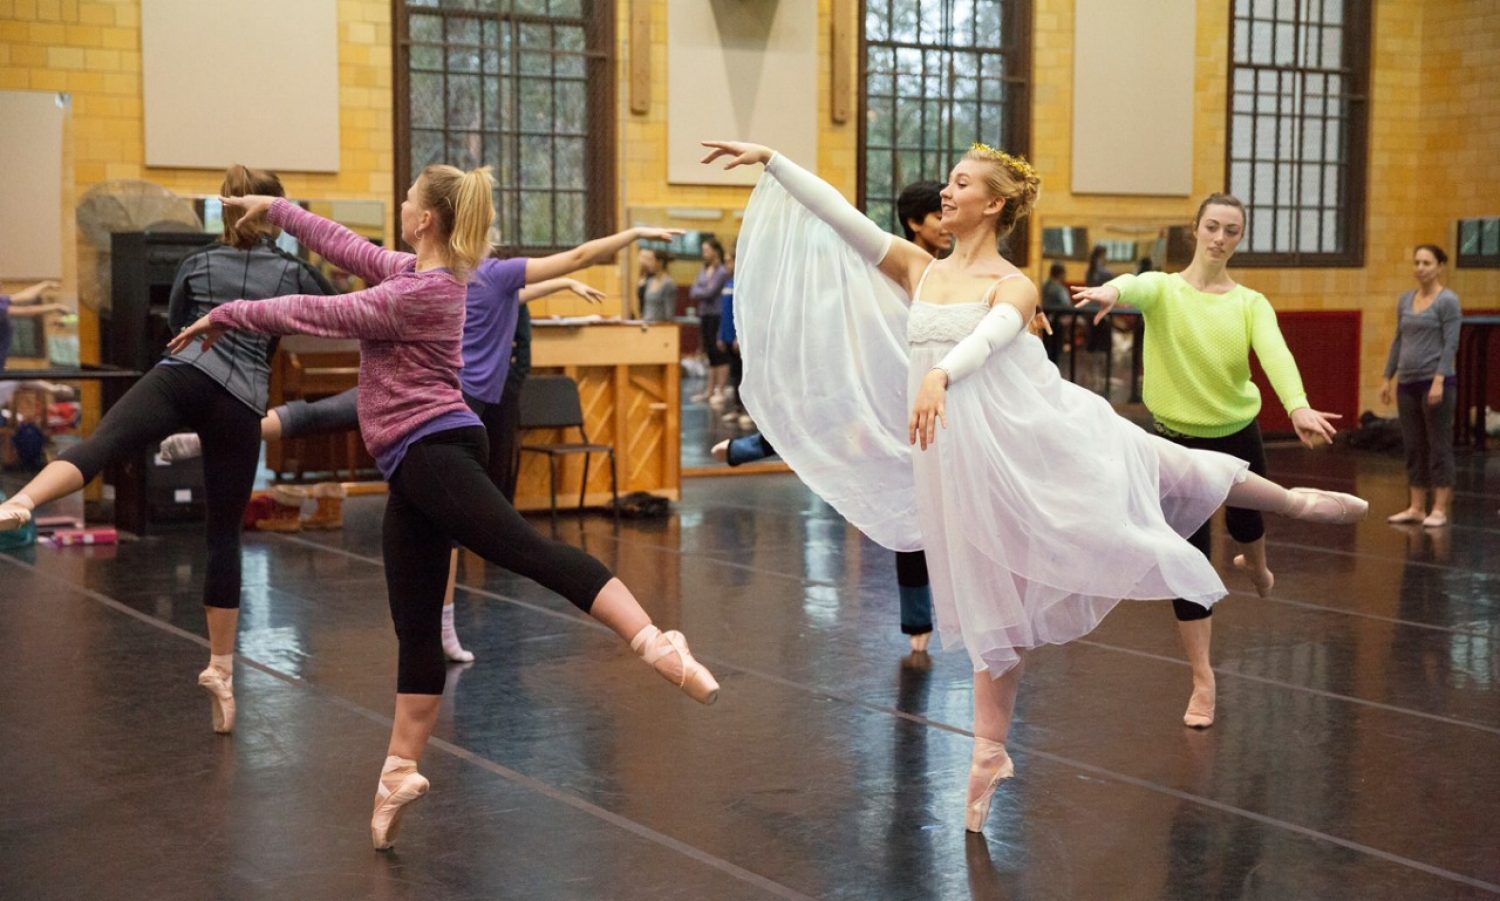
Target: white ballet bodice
{"type": "Point", "coordinates": [948, 323]}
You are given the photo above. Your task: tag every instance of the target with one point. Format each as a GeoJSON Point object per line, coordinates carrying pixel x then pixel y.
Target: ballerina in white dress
{"type": "Point", "coordinates": [1038, 506]}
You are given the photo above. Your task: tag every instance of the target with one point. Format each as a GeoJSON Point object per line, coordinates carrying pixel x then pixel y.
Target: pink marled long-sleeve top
{"type": "Point", "coordinates": [409, 325]}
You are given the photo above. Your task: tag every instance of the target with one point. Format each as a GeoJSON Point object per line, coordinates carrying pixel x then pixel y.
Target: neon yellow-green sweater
{"type": "Point", "coordinates": [1197, 355]}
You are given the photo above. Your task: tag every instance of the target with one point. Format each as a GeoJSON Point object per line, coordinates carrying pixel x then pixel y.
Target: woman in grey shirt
{"type": "Point", "coordinates": [657, 292]}
{"type": "Point", "coordinates": [1420, 373]}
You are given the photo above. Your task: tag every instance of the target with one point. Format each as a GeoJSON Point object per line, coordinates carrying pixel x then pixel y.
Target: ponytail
{"type": "Point", "coordinates": [464, 205]}
{"type": "Point", "coordinates": [239, 181]}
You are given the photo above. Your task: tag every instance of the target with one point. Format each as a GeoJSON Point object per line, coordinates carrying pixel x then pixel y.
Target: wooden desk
{"type": "Point", "coordinates": [629, 382]}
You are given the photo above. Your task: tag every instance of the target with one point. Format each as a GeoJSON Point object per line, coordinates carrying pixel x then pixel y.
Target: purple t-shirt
{"type": "Point", "coordinates": [490, 326]}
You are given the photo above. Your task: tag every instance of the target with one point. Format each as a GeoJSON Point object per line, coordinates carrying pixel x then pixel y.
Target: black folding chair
{"type": "Point", "coordinates": [551, 402]}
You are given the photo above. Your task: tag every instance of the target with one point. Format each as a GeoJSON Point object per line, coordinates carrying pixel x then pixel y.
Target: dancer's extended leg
{"type": "Point", "coordinates": [1311, 504]}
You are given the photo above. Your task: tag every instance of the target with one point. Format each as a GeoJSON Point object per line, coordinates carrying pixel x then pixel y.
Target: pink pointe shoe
{"type": "Point", "coordinates": [15, 513]}
{"type": "Point", "coordinates": [668, 654]}
{"type": "Point", "coordinates": [400, 784]}
{"type": "Point", "coordinates": [1317, 505]}
{"type": "Point", "coordinates": [989, 766]}
{"type": "Point", "coordinates": [220, 688]}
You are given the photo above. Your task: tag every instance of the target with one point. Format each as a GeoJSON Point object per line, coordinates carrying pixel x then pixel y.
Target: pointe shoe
{"type": "Point", "coordinates": [1263, 580]}
{"type": "Point", "coordinates": [668, 654]}
{"type": "Point", "coordinates": [182, 446]}
{"type": "Point", "coordinates": [1405, 516]}
{"type": "Point", "coordinates": [1317, 505]}
{"type": "Point", "coordinates": [1435, 520]}
{"type": "Point", "coordinates": [919, 642]}
{"type": "Point", "coordinates": [15, 513]}
{"type": "Point", "coordinates": [989, 766]}
{"type": "Point", "coordinates": [220, 688]}
{"type": "Point", "coordinates": [1200, 709]}
{"type": "Point", "coordinates": [398, 787]}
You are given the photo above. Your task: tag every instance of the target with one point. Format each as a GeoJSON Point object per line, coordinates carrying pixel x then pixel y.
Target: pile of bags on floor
{"type": "Point", "coordinates": [280, 508]}
{"type": "Point", "coordinates": [1375, 433]}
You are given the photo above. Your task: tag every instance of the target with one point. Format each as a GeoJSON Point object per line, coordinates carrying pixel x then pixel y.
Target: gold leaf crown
{"type": "Point", "coordinates": [1016, 164]}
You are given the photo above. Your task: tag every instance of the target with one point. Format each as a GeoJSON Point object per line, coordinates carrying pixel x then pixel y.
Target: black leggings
{"type": "Point", "coordinates": [178, 397]}
{"type": "Point", "coordinates": [442, 493]}
{"type": "Point", "coordinates": [1244, 525]}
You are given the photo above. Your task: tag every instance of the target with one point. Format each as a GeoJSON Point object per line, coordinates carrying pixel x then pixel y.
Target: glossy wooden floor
{"type": "Point", "coordinates": [1355, 755]}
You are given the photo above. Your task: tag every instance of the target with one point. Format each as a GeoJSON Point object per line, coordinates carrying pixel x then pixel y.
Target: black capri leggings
{"type": "Point", "coordinates": [1244, 525]}
{"type": "Point", "coordinates": [176, 397]}
{"type": "Point", "coordinates": [442, 493]}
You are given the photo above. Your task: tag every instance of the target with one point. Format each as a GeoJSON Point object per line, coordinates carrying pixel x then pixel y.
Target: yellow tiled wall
{"type": "Point", "coordinates": [1434, 127]}
{"type": "Point", "coordinates": [1434, 130]}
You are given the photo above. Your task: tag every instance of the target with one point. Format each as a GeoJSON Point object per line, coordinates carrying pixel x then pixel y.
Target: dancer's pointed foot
{"type": "Point", "coordinates": [720, 451]}
{"type": "Point", "coordinates": [1317, 505]}
{"type": "Point", "coordinates": [668, 654]}
{"type": "Point", "coordinates": [1409, 515]}
{"type": "Point", "coordinates": [400, 784]}
{"type": "Point", "coordinates": [1200, 708]}
{"type": "Point", "coordinates": [220, 687]}
{"type": "Point", "coordinates": [182, 446]}
{"type": "Point", "coordinates": [988, 767]}
{"type": "Point", "coordinates": [1261, 577]}
{"type": "Point", "coordinates": [15, 512]}
{"type": "Point", "coordinates": [920, 641]}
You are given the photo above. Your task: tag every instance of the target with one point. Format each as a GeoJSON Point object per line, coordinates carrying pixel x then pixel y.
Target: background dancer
{"type": "Point", "coordinates": [1200, 329]}
{"type": "Point", "coordinates": [1028, 465]}
{"type": "Point", "coordinates": [432, 447]}
{"type": "Point", "coordinates": [1420, 376]}
{"type": "Point", "coordinates": [221, 394]}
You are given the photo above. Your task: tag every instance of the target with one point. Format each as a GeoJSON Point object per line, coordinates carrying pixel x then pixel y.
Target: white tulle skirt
{"type": "Point", "coordinates": [1039, 507]}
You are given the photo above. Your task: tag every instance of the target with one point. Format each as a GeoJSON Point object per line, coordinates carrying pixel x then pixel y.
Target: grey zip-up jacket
{"type": "Point", "coordinates": [219, 273]}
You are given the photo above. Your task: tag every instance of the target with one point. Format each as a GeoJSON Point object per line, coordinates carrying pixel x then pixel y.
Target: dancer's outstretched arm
{"type": "Point", "coordinates": [592, 253]}
{"type": "Point", "coordinates": [553, 285]}
{"type": "Point", "coordinates": [330, 240]}
{"type": "Point", "coordinates": [378, 313]}
{"type": "Point", "coordinates": [901, 260]}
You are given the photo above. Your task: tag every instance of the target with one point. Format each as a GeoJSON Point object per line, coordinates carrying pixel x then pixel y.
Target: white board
{"type": "Point", "coordinates": [740, 70]}
{"type": "Point", "coordinates": [1133, 68]}
{"type": "Point", "coordinates": [229, 81]}
{"type": "Point", "coordinates": [31, 188]}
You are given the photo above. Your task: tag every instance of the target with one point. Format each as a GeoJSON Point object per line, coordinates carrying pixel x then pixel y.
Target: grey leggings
{"type": "Point", "coordinates": [1427, 434]}
{"type": "Point", "coordinates": [338, 413]}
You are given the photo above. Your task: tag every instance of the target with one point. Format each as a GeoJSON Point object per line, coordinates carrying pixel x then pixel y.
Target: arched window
{"type": "Point", "coordinates": [525, 86]}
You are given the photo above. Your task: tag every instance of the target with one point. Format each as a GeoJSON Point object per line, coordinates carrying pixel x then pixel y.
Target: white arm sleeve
{"type": "Point", "coordinates": [822, 200]}
{"type": "Point", "coordinates": [998, 328]}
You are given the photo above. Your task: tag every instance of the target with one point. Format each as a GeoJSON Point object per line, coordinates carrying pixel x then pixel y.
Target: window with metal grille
{"type": "Point", "coordinates": [1479, 243]}
{"type": "Point", "coordinates": [525, 86]}
{"type": "Point", "coordinates": [936, 76]}
{"type": "Point", "coordinates": [1299, 75]}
